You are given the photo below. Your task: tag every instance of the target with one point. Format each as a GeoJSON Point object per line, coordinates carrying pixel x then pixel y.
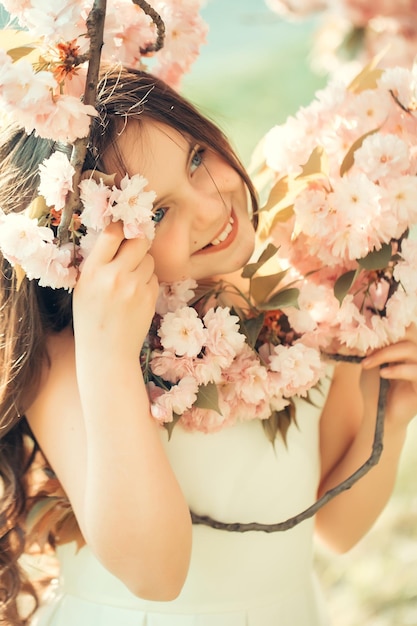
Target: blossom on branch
{"type": "Point", "coordinates": [341, 208]}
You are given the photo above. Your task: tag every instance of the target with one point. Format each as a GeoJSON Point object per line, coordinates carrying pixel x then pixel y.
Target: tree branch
{"type": "Point", "coordinates": [377, 447]}
{"type": "Point", "coordinates": [95, 29]}
{"type": "Point", "coordinates": [160, 26]}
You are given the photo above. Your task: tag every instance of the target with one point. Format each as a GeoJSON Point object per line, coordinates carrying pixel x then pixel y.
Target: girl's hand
{"type": "Point", "coordinates": [398, 363]}
{"type": "Point", "coordinates": [115, 296]}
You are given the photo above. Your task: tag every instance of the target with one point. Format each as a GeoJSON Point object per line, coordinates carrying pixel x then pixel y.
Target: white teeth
{"type": "Point", "coordinates": [224, 234]}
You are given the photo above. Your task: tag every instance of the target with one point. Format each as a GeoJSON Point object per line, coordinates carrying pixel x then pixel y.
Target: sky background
{"type": "Point", "coordinates": [254, 70]}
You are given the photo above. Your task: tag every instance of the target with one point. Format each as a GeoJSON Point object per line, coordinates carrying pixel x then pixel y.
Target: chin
{"type": "Point", "coordinates": [240, 257]}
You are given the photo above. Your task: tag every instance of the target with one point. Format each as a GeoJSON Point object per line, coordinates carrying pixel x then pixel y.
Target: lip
{"type": "Point", "coordinates": [224, 244]}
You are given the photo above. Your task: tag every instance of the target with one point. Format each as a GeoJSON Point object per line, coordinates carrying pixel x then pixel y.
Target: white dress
{"type": "Point", "coordinates": [235, 579]}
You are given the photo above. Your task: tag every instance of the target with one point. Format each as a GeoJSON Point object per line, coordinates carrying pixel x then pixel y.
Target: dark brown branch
{"type": "Point", "coordinates": [377, 446]}
{"type": "Point", "coordinates": [160, 26]}
{"type": "Point", "coordinates": [95, 29]}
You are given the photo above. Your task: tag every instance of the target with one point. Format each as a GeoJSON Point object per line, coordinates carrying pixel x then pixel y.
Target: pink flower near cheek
{"type": "Point", "coordinates": [95, 198]}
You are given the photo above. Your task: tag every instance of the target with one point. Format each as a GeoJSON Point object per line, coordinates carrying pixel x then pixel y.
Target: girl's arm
{"type": "Point", "coordinates": [347, 432]}
{"type": "Point", "coordinates": [93, 423]}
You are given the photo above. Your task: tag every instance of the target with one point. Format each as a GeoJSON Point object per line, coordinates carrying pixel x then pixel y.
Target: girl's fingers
{"type": "Point", "coordinates": [108, 243]}
{"type": "Point", "coordinates": [145, 269]}
{"type": "Point", "coordinates": [400, 371]}
{"type": "Point", "coordinates": [401, 351]}
{"type": "Point", "coordinates": [111, 245]}
{"type": "Point", "coordinates": [132, 252]}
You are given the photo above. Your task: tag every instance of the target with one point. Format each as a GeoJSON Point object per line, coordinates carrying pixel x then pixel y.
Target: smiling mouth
{"type": "Point", "coordinates": [223, 239]}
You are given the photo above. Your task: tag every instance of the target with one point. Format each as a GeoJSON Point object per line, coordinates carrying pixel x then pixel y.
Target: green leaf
{"type": "Point", "coordinates": [369, 76]}
{"type": "Point", "coordinates": [343, 284]}
{"type": "Point", "coordinates": [251, 268]}
{"type": "Point", "coordinates": [279, 422]}
{"type": "Point", "coordinates": [262, 286]}
{"type": "Point", "coordinates": [169, 426]}
{"type": "Point", "coordinates": [278, 192]}
{"type": "Point", "coordinates": [352, 44]}
{"type": "Point", "coordinates": [19, 44]}
{"type": "Point", "coordinates": [208, 398]}
{"type": "Point", "coordinates": [251, 328]}
{"type": "Point", "coordinates": [350, 155]}
{"type": "Point", "coordinates": [286, 297]}
{"type": "Point", "coordinates": [377, 259]}
{"type": "Point", "coordinates": [317, 163]}
{"type": "Point", "coordinates": [38, 208]}
{"type": "Point", "coordinates": [19, 53]}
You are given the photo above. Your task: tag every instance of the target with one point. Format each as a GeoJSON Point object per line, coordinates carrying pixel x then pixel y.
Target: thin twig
{"type": "Point", "coordinates": [159, 23]}
{"type": "Point", "coordinates": [377, 446]}
{"type": "Point", "coordinates": [95, 29]}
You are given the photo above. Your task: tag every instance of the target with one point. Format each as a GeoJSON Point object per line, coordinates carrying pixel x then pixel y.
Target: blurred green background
{"type": "Point", "coordinates": [254, 70]}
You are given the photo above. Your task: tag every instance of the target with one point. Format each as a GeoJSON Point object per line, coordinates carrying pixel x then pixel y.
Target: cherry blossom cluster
{"type": "Point", "coordinates": [342, 201]}
{"type": "Point", "coordinates": [42, 80]}
{"type": "Point", "coordinates": [27, 239]}
{"type": "Point", "coordinates": [202, 370]}
{"type": "Point", "coordinates": [357, 30]}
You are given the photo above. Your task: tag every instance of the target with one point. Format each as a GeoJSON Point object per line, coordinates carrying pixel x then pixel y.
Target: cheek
{"type": "Point", "coordinates": [230, 179]}
{"type": "Point", "coordinates": [169, 263]}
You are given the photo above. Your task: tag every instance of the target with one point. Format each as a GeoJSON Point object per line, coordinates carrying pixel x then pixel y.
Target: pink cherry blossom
{"type": "Point", "coordinates": [63, 118]}
{"type": "Point", "coordinates": [299, 368]}
{"type": "Point", "coordinates": [56, 175]}
{"type": "Point", "coordinates": [55, 270]}
{"type": "Point", "coordinates": [22, 89]}
{"type": "Point", "coordinates": [177, 400]}
{"type": "Point", "coordinates": [400, 198]}
{"type": "Point", "coordinates": [209, 367]}
{"type": "Point", "coordinates": [95, 198]}
{"type": "Point", "coordinates": [36, 253]}
{"type": "Point", "coordinates": [369, 109]}
{"type": "Point", "coordinates": [401, 312]}
{"type": "Point", "coordinates": [172, 367]}
{"type": "Point", "coordinates": [59, 20]}
{"type": "Point", "coordinates": [205, 420]}
{"type": "Point", "coordinates": [247, 377]}
{"type": "Point", "coordinates": [401, 82]}
{"type": "Point", "coordinates": [174, 295]}
{"type": "Point", "coordinates": [382, 156]}
{"type": "Point", "coordinates": [223, 336]}
{"type": "Point", "coordinates": [131, 204]}
{"type": "Point", "coordinates": [127, 30]}
{"type": "Point", "coordinates": [183, 332]}
{"type": "Point", "coordinates": [16, 7]}
{"type": "Point", "coordinates": [21, 237]}
{"type": "Point", "coordinates": [185, 32]}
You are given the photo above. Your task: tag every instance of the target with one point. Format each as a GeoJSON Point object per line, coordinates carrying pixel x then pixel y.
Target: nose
{"type": "Point", "coordinates": [207, 204]}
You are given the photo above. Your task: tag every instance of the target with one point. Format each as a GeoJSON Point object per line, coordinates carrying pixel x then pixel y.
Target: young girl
{"type": "Point", "coordinates": [72, 380]}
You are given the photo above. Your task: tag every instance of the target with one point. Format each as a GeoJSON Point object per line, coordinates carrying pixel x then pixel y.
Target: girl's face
{"type": "Point", "coordinates": [203, 228]}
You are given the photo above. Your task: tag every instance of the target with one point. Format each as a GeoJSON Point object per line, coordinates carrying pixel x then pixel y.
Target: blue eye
{"type": "Point", "coordinates": [159, 214]}
{"type": "Point", "coordinates": [197, 158]}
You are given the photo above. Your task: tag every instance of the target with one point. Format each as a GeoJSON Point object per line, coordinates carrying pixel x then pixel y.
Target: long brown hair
{"type": "Point", "coordinates": [29, 313]}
